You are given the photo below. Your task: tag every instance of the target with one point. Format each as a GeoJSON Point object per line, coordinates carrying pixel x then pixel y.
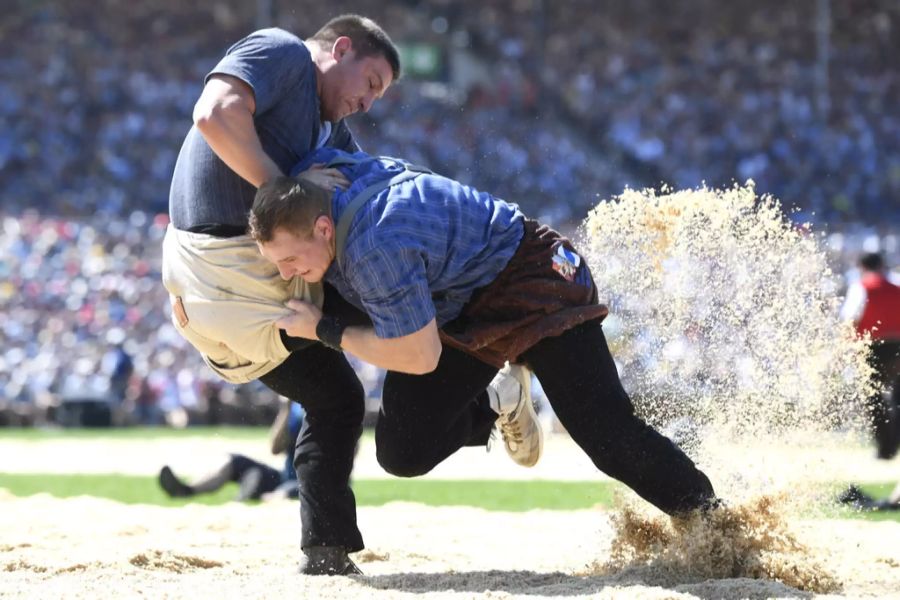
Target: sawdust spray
{"type": "Point", "coordinates": [724, 322]}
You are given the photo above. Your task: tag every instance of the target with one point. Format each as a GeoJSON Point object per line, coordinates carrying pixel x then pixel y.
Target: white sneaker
{"type": "Point", "coordinates": [510, 394]}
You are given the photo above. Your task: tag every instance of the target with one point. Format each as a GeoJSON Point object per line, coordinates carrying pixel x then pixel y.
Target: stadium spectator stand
{"type": "Point", "coordinates": [552, 105]}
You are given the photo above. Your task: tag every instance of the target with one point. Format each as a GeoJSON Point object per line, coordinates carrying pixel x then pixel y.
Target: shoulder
{"type": "Point", "coordinates": [274, 36]}
{"type": "Point", "coordinates": [371, 248]}
{"type": "Point", "coordinates": [271, 42]}
{"type": "Point", "coordinates": [276, 64]}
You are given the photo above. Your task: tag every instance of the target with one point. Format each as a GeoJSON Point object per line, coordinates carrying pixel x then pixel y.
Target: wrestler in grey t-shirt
{"type": "Point", "coordinates": [206, 194]}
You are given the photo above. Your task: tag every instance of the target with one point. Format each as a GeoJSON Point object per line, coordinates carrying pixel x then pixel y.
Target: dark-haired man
{"type": "Point", "coordinates": [270, 100]}
{"type": "Point", "coordinates": [456, 282]}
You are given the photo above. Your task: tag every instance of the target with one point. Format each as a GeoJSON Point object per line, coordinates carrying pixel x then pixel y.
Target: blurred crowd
{"type": "Point", "coordinates": [551, 105]}
{"type": "Point", "coordinates": [87, 337]}
{"type": "Point", "coordinates": [705, 91]}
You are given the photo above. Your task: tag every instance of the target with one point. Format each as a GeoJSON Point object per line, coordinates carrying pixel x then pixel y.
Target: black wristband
{"type": "Point", "coordinates": [330, 331]}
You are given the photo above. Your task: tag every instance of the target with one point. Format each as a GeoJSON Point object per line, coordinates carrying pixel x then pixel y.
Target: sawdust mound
{"type": "Point", "coordinates": [751, 541]}
{"type": "Point", "coordinates": [170, 561]}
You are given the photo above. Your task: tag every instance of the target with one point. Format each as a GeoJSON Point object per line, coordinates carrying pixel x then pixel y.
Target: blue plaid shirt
{"type": "Point", "coordinates": [417, 250]}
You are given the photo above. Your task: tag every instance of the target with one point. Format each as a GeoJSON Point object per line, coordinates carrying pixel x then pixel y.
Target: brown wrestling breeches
{"type": "Point", "coordinates": [545, 289]}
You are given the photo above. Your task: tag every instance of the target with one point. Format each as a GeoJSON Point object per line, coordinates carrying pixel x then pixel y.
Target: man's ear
{"type": "Point", "coordinates": [324, 227]}
{"type": "Point", "coordinates": [341, 47]}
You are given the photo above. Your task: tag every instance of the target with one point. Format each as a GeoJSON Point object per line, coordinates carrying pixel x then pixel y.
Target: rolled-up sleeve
{"type": "Point", "coordinates": [270, 61]}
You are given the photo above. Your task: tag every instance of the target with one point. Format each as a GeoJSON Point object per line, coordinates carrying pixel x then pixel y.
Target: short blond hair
{"type": "Point", "coordinates": [287, 203]}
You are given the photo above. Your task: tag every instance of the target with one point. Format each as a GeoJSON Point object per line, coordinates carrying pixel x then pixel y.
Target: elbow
{"type": "Point", "coordinates": [205, 115]}
{"type": "Point", "coordinates": [426, 361]}
{"type": "Point", "coordinates": [212, 111]}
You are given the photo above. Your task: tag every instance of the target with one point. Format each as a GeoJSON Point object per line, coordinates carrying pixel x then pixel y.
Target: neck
{"type": "Point", "coordinates": [320, 59]}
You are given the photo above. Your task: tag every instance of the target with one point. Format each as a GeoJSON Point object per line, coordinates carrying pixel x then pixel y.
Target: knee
{"type": "Point", "coordinates": [401, 462]}
{"type": "Point", "coordinates": [348, 414]}
{"type": "Point", "coordinates": [344, 407]}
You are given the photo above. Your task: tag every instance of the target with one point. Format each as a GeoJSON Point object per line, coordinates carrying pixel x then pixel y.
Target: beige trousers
{"type": "Point", "coordinates": [225, 300]}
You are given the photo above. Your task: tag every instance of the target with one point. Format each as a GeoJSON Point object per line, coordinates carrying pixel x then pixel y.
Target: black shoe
{"type": "Point", "coordinates": [173, 486]}
{"type": "Point", "coordinates": [857, 498]}
{"type": "Point", "coordinates": [706, 509]}
{"type": "Point", "coordinates": [327, 560]}
{"type": "Point", "coordinates": [250, 485]}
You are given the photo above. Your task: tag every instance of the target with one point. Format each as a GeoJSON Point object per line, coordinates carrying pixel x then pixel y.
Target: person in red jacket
{"type": "Point", "coordinates": [873, 304]}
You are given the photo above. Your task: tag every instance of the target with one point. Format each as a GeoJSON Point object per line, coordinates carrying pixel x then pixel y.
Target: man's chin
{"type": "Point", "coordinates": [332, 117]}
{"type": "Point", "coordinates": [337, 115]}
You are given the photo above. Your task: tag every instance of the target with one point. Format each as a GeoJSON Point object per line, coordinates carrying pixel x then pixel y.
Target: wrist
{"type": "Point", "coordinates": [330, 331]}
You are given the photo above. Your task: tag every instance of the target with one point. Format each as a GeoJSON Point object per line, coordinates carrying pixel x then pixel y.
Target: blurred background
{"type": "Point", "coordinates": [553, 105]}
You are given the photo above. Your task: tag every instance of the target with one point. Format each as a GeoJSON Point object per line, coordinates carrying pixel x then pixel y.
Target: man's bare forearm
{"type": "Point", "coordinates": [416, 353]}
{"type": "Point", "coordinates": [229, 131]}
{"type": "Point", "coordinates": [403, 355]}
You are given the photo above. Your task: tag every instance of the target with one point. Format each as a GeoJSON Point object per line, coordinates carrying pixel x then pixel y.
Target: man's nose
{"type": "Point", "coordinates": [286, 273]}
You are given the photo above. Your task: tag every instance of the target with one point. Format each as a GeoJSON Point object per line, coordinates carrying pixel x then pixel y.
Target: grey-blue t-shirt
{"type": "Point", "coordinates": [277, 65]}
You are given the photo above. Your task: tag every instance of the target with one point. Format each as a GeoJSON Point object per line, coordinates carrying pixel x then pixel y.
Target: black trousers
{"type": "Point", "coordinates": [426, 418]}
{"type": "Point", "coordinates": [884, 410]}
{"type": "Point", "coordinates": [332, 396]}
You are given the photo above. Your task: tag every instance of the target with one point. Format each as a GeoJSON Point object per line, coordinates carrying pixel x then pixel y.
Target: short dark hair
{"type": "Point", "coordinates": [288, 203]}
{"type": "Point", "coordinates": [368, 38]}
{"type": "Point", "coordinates": [871, 261]}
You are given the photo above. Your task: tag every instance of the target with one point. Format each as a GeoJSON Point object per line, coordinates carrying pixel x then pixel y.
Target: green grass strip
{"type": "Point", "coordinates": [490, 495]}
{"type": "Point", "coordinates": [121, 488]}
{"type": "Point", "coordinates": [876, 490]}
{"type": "Point", "coordinates": [39, 434]}
{"type": "Point", "coordinates": [513, 496]}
